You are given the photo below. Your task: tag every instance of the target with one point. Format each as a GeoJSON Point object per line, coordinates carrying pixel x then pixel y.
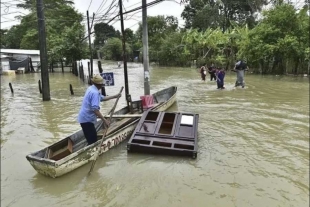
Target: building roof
{"type": "Point", "coordinates": [18, 51]}
{"type": "Point", "coordinates": [4, 56]}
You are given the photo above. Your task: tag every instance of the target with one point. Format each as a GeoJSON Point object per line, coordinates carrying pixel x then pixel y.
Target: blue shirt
{"type": "Point", "coordinates": [91, 102]}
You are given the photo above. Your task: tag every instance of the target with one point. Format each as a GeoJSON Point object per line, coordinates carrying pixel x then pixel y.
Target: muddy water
{"type": "Point", "coordinates": [253, 144]}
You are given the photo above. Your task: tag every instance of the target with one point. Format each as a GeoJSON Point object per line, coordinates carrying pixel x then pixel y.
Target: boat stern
{"type": "Point", "coordinates": [43, 167]}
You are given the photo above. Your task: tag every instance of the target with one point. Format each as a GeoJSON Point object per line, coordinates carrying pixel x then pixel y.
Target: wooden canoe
{"type": "Point", "coordinates": [120, 130]}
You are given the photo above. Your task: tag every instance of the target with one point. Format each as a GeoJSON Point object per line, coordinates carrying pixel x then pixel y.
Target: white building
{"type": "Point", "coordinates": [18, 54]}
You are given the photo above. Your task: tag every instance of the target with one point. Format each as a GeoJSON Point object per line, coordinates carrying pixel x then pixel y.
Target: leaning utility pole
{"type": "Point", "coordinates": [90, 49]}
{"type": "Point", "coordinates": [43, 54]}
{"type": "Point", "coordinates": [145, 50]}
{"type": "Point", "coordinates": [124, 52]}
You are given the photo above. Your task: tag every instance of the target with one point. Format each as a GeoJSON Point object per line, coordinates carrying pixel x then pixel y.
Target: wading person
{"type": "Point", "coordinates": [203, 72]}
{"type": "Point", "coordinates": [212, 71]}
{"type": "Point", "coordinates": [240, 69]}
{"type": "Point", "coordinates": [220, 75]}
{"type": "Point", "coordinates": [90, 109]}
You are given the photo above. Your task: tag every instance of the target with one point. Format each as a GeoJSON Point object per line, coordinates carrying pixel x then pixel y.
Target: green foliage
{"type": "Point", "coordinates": [158, 28]}
{"type": "Point", "coordinates": [3, 32]}
{"type": "Point", "coordinates": [280, 41]}
{"type": "Point", "coordinates": [171, 51]}
{"type": "Point", "coordinates": [103, 32]}
{"type": "Point", "coordinates": [30, 40]}
{"type": "Point", "coordinates": [203, 14]}
{"type": "Point", "coordinates": [112, 50]}
{"type": "Point", "coordinates": [130, 36]}
{"type": "Point", "coordinates": [68, 45]}
{"type": "Point", "coordinates": [64, 30]}
{"type": "Point", "coordinates": [218, 31]}
{"type": "Point", "coordinates": [12, 38]}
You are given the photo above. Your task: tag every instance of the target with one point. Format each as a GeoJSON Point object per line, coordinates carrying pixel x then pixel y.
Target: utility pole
{"type": "Point", "coordinates": [124, 52]}
{"type": "Point", "coordinates": [145, 50]}
{"type": "Point", "coordinates": [89, 42]}
{"type": "Point", "coordinates": [43, 54]}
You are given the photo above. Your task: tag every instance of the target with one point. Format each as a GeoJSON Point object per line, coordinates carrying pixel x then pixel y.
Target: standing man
{"type": "Point", "coordinates": [240, 69]}
{"type": "Point", "coordinates": [212, 71]}
{"type": "Point", "coordinates": [220, 75]}
{"type": "Point", "coordinates": [90, 109]}
{"type": "Point", "coordinates": [203, 72]}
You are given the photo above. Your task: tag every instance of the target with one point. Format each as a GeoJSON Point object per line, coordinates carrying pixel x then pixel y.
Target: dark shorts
{"type": "Point", "coordinates": [90, 132]}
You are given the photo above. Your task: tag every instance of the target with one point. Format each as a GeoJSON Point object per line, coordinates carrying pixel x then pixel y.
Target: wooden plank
{"type": "Point", "coordinates": [115, 126]}
{"type": "Point", "coordinates": [125, 116]}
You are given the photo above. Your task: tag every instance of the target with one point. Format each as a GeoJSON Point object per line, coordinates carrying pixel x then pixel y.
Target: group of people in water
{"type": "Point", "coordinates": [218, 73]}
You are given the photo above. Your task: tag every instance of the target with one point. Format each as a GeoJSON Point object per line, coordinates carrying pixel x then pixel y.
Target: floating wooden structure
{"type": "Point", "coordinates": [165, 133]}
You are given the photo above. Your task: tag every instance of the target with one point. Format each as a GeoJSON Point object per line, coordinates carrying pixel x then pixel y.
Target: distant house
{"type": "Point", "coordinates": [8, 55]}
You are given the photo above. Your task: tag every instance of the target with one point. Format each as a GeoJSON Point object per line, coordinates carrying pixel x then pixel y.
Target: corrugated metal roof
{"type": "Point", "coordinates": [18, 51]}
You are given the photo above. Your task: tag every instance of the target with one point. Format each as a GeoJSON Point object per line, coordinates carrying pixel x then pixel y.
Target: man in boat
{"type": "Point", "coordinates": [90, 109]}
{"type": "Point", "coordinates": [212, 71]}
{"type": "Point", "coordinates": [240, 69]}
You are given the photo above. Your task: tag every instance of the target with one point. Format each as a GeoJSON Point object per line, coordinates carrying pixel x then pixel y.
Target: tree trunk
{"type": "Point", "coordinates": [62, 66]}
{"type": "Point", "coordinates": [296, 66]}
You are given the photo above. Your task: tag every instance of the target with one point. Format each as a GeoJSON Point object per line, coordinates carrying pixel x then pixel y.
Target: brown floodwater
{"type": "Point", "coordinates": [253, 144]}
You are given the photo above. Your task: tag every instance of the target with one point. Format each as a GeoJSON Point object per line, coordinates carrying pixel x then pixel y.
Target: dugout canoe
{"type": "Point", "coordinates": [80, 154]}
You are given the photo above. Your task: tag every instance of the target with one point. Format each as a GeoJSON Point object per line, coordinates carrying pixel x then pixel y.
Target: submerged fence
{"type": "Point", "coordinates": [78, 70]}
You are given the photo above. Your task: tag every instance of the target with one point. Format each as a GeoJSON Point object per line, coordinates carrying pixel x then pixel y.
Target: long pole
{"type": "Point", "coordinates": [89, 42]}
{"type": "Point", "coordinates": [145, 50]}
{"type": "Point", "coordinates": [43, 54]}
{"type": "Point", "coordinates": [124, 51]}
{"type": "Point", "coordinates": [105, 132]}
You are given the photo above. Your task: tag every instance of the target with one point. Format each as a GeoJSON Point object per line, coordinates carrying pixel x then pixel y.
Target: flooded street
{"type": "Point", "coordinates": [253, 147]}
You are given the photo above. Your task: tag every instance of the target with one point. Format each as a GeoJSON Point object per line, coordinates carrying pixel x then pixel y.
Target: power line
{"type": "Point", "coordinates": [100, 7]}
{"type": "Point", "coordinates": [12, 13]}
{"type": "Point", "coordinates": [134, 25]}
{"type": "Point", "coordinates": [138, 8]}
{"type": "Point", "coordinates": [91, 1]}
{"type": "Point", "coordinates": [109, 9]}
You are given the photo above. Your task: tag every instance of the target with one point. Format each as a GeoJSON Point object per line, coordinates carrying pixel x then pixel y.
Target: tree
{"type": "Point", "coordinates": [13, 37]}
{"type": "Point", "coordinates": [202, 14]}
{"type": "Point", "coordinates": [130, 37]}
{"type": "Point", "coordinates": [172, 51]}
{"type": "Point", "coordinates": [103, 32]}
{"type": "Point", "coordinates": [3, 33]}
{"type": "Point", "coordinates": [69, 45]}
{"type": "Point", "coordinates": [280, 42]}
{"type": "Point", "coordinates": [158, 28]}
{"type": "Point", "coordinates": [113, 49]}
{"type": "Point", "coordinates": [64, 30]}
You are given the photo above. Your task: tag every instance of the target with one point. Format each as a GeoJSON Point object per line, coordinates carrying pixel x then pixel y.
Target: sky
{"type": "Point", "coordinates": [9, 11]}
{"type": "Point", "coordinates": [163, 8]}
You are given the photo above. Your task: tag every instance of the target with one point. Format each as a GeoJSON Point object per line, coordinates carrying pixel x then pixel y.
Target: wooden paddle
{"type": "Point", "coordinates": [104, 133]}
